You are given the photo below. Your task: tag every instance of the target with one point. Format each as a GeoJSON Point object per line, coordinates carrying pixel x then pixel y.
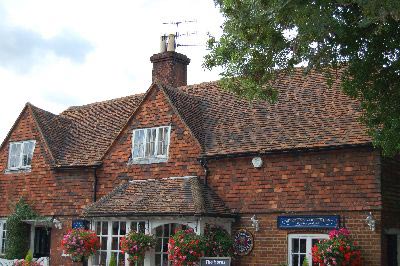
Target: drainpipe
{"type": "Point", "coordinates": [95, 185]}
{"type": "Point", "coordinates": [203, 163]}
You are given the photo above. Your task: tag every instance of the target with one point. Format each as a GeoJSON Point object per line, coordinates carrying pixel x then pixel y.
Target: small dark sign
{"type": "Point", "coordinates": [215, 261]}
{"type": "Point", "coordinates": [79, 223]}
{"type": "Point", "coordinates": [309, 222]}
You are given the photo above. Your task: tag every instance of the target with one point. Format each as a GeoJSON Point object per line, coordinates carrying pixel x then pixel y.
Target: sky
{"type": "Point", "coordinates": [60, 53]}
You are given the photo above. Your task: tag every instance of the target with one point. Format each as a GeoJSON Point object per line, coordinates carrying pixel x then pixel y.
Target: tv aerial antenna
{"type": "Point", "coordinates": [179, 34]}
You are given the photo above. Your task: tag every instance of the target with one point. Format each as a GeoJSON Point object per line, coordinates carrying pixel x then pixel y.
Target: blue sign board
{"type": "Point", "coordinates": [79, 223]}
{"type": "Point", "coordinates": [309, 222]}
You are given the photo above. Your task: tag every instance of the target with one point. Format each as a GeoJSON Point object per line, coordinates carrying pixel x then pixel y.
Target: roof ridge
{"type": "Point", "coordinates": [78, 107]}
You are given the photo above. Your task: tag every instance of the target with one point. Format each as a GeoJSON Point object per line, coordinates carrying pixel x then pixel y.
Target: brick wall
{"type": "Point", "coordinates": [183, 151]}
{"type": "Point", "coordinates": [48, 193]}
{"type": "Point", "coordinates": [347, 179]}
{"type": "Point", "coordinates": [390, 199]}
{"type": "Point", "coordinates": [271, 243]}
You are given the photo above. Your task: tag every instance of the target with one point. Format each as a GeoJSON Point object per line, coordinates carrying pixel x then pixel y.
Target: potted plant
{"type": "Point", "coordinates": [339, 249]}
{"type": "Point", "coordinates": [80, 244]}
{"type": "Point", "coordinates": [136, 244]}
{"type": "Point", "coordinates": [185, 248]}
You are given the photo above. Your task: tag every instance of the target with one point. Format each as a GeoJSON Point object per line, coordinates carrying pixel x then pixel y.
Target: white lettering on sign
{"type": "Point", "coordinates": [215, 262]}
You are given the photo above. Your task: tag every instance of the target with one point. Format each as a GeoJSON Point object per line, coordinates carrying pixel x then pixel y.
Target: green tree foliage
{"type": "Point", "coordinates": [360, 37]}
{"type": "Point", "coordinates": [17, 243]}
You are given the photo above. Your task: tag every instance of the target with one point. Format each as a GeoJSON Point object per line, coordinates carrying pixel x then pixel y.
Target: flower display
{"type": "Point", "coordinates": [339, 250]}
{"type": "Point", "coordinates": [26, 263]}
{"type": "Point", "coordinates": [185, 248]}
{"type": "Point", "coordinates": [136, 244]}
{"type": "Point", "coordinates": [80, 243]}
{"type": "Point", "coordinates": [218, 242]}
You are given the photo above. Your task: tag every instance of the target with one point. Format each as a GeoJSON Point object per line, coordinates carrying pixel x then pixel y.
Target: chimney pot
{"type": "Point", "coordinates": [170, 67]}
{"type": "Point", "coordinates": [163, 44]}
{"type": "Point", "coordinates": [171, 43]}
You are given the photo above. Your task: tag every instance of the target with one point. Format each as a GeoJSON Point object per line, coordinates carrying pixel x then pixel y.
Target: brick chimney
{"type": "Point", "coordinates": [170, 67]}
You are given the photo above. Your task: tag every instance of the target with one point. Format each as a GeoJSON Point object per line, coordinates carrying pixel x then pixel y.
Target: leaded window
{"type": "Point", "coordinates": [150, 143]}
{"type": "Point", "coordinates": [20, 154]}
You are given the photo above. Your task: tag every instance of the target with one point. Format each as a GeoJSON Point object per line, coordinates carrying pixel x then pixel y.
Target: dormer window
{"type": "Point", "coordinates": [20, 154]}
{"type": "Point", "coordinates": [150, 145]}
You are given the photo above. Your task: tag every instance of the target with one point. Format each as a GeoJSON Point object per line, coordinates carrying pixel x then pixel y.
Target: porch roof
{"type": "Point", "coordinates": [174, 196]}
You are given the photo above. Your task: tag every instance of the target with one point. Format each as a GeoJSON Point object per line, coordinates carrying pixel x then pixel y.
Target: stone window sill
{"type": "Point", "coordinates": [147, 160]}
{"type": "Point", "coordinates": [18, 170]}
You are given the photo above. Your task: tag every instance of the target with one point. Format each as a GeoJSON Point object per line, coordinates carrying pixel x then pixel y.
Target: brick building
{"type": "Point", "coordinates": [194, 155]}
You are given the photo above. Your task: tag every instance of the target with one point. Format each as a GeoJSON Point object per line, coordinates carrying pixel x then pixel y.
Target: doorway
{"type": "Point", "coordinates": [42, 242]}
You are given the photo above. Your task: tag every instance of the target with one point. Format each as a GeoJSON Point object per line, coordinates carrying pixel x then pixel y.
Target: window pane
{"type": "Point", "coordinates": [27, 153]}
{"type": "Point", "coordinates": [303, 244]}
{"type": "Point", "coordinates": [295, 245]}
{"type": "Point", "coordinates": [159, 231]}
{"type": "Point", "coordinates": [122, 228]}
{"type": "Point", "coordinates": [158, 244]}
{"type": "Point", "coordinates": [114, 243]}
{"type": "Point", "coordinates": [302, 257]}
{"type": "Point", "coordinates": [104, 229]}
{"type": "Point", "coordinates": [15, 155]}
{"type": "Point", "coordinates": [104, 243]}
{"type": "Point", "coordinates": [165, 245]}
{"type": "Point", "coordinates": [103, 258]}
{"type": "Point", "coordinates": [138, 148]}
{"type": "Point", "coordinates": [115, 227]}
{"type": "Point", "coordinates": [134, 226]}
{"type": "Point", "coordinates": [150, 142]}
{"type": "Point", "coordinates": [142, 227]}
{"type": "Point", "coordinates": [98, 228]}
{"type": "Point", "coordinates": [295, 260]}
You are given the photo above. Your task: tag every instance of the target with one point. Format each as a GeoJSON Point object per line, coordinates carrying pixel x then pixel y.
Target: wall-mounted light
{"type": "Point", "coordinates": [370, 221]}
{"type": "Point", "coordinates": [57, 223]}
{"type": "Point", "coordinates": [257, 162]}
{"type": "Point", "coordinates": [254, 223]}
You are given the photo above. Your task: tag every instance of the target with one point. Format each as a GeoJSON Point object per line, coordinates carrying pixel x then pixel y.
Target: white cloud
{"type": "Point", "coordinates": [98, 49]}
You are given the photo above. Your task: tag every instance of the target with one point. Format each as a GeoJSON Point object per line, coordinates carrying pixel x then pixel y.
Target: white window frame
{"type": "Point", "coordinates": [2, 223]}
{"type": "Point", "coordinates": [21, 154]}
{"type": "Point", "coordinates": [110, 234]}
{"type": "Point", "coordinates": [309, 238]}
{"type": "Point", "coordinates": [155, 156]}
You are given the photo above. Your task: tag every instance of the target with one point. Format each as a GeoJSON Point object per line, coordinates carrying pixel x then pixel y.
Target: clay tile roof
{"type": "Point", "coordinates": [94, 127]}
{"type": "Point", "coordinates": [308, 114]}
{"type": "Point", "coordinates": [54, 128]}
{"type": "Point", "coordinates": [167, 196]}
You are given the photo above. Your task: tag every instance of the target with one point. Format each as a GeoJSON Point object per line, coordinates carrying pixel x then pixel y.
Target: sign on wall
{"type": "Point", "coordinates": [243, 242]}
{"type": "Point", "coordinates": [309, 222]}
{"type": "Point", "coordinates": [215, 261]}
{"type": "Point", "coordinates": [80, 223]}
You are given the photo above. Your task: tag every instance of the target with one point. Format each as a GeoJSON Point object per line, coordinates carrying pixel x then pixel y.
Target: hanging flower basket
{"type": "Point", "coordinates": [339, 249]}
{"type": "Point", "coordinates": [218, 242]}
{"type": "Point", "coordinates": [80, 244]}
{"type": "Point", "coordinates": [136, 244]}
{"type": "Point", "coordinates": [185, 248]}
